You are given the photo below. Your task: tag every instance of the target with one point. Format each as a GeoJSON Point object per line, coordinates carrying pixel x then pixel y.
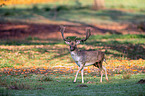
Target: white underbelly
{"type": "Point", "coordinates": [78, 58]}
{"type": "Point", "coordinates": [88, 64]}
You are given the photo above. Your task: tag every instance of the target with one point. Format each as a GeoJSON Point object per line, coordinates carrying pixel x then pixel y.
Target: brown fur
{"type": "Point", "coordinates": [83, 57]}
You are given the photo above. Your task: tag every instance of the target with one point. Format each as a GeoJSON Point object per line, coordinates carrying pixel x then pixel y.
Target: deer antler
{"type": "Point", "coordinates": [62, 31]}
{"type": "Point", "coordinates": [88, 34]}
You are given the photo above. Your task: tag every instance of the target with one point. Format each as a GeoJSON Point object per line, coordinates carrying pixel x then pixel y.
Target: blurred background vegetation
{"type": "Point", "coordinates": [85, 10]}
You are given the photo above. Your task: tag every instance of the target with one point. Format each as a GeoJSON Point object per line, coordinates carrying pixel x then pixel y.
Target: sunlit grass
{"type": "Point", "coordinates": [70, 11]}
{"type": "Point", "coordinates": [121, 55]}
{"type": "Point", "coordinates": [109, 3]}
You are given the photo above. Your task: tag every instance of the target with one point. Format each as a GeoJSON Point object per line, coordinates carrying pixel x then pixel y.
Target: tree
{"type": "Point", "coordinates": [98, 4]}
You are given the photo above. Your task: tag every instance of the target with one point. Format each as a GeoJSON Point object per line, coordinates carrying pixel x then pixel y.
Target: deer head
{"type": "Point", "coordinates": [73, 44]}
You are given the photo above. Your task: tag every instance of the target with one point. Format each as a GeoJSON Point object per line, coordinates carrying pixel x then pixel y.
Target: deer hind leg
{"type": "Point", "coordinates": [105, 72]}
{"type": "Point", "coordinates": [99, 65]}
{"type": "Point", "coordinates": [101, 71]}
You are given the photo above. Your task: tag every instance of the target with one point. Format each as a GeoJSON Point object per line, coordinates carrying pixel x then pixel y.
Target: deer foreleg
{"type": "Point", "coordinates": [101, 72]}
{"type": "Point", "coordinates": [82, 73]}
{"type": "Point", "coordinates": [105, 72]}
{"type": "Point", "coordinates": [80, 68]}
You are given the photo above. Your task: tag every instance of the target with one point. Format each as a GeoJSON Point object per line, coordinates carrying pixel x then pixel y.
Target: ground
{"type": "Point", "coordinates": [12, 30]}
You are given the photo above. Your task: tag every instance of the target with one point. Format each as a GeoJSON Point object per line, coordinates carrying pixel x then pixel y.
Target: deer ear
{"type": "Point", "coordinates": [77, 41]}
{"type": "Point", "coordinates": [67, 42]}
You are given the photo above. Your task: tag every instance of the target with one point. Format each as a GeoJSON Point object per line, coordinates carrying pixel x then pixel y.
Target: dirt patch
{"type": "Point", "coordinates": [82, 85]}
{"type": "Point", "coordinates": [141, 81]}
{"type": "Point", "coordinates": [12, 30]}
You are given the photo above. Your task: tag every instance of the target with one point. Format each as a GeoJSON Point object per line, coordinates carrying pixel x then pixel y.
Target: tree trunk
{"type": "Point", "coordinates": [98, 4]}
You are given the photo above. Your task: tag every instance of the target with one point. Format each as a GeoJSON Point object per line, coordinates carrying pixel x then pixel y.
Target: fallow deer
{"type": "Point", "coordinates": [83, 57]}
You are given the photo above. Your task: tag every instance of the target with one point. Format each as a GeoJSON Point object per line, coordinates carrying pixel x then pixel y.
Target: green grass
{"type": "Point", "coordinates": [31, 52]}
{"type": "Point", "coordinates": [72, 16]}
{"type": "Point", "coordinates": [63, 86]}
{"type": "Point", "coordinates": [70, 12]}
{"type": "Point", "coordinates": [117, 36]}
{"type": "Point", "coordinates": [129, 4]}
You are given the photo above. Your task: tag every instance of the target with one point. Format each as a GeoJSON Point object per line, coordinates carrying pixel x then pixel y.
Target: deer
{"type": "Point", "coordinates": [85, 58]}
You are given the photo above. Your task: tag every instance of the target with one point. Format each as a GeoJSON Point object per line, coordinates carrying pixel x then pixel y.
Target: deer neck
{"type": "Point", "coordinates": [74, 52]}
{"type": "Point", "coordinates": [75, 56]}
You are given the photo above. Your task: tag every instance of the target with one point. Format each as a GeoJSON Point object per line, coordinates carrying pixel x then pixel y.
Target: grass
{"type": "Point", "coordinates": [119, 36]}
{"type": "Point", "coordinates": [70, 12]}
{"type": "Point", "coordinates": [50, 68]}
{"type": "Point", "coordinates": [31, 52]}
{"type": "Point", "coordinates": [63, 85]}
{"type": "Point", "coordinates": [134, 4]}
{"type": "Point", "coordinates": [91, 16]}
{"type": "Point", "coordinates": [36, 53]}
{"type": "Point", "coordinates": [109, 3]}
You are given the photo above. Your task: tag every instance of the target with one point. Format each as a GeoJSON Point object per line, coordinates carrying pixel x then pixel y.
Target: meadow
{"type": "Point", "coordinates": [33, 63]}
{"type": "Point", "coordinates": [51, 70]}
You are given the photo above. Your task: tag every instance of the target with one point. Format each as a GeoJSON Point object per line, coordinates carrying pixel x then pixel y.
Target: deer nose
{"type": "Point", "coordinates": [72, 48]}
